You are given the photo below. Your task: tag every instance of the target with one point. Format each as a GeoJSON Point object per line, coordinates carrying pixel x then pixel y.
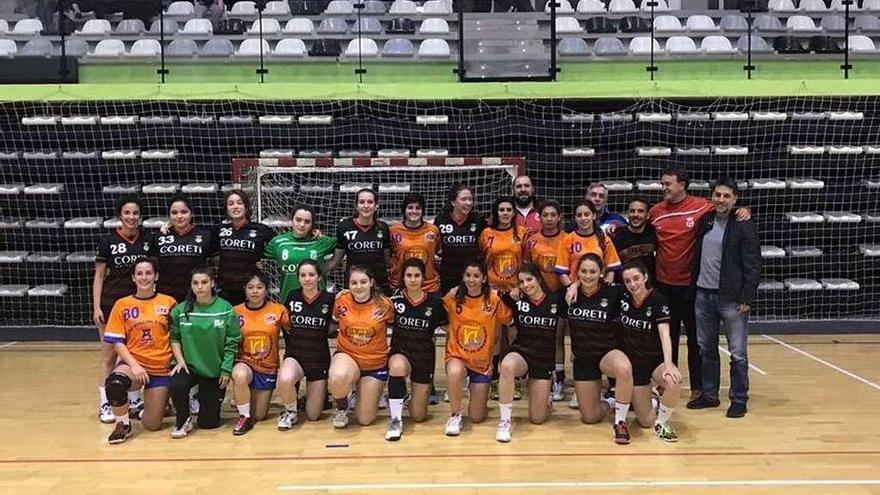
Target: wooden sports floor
{"type": "Point", "coordinates": [813, 428]}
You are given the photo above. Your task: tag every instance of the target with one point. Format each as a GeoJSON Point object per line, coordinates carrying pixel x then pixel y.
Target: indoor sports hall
{"type": "Point", "coordinates": [158, 159]}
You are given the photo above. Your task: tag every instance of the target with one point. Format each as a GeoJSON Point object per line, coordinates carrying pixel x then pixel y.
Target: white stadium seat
{"type": "Point", "coordinates": [109, 48]}
{"type": "Point", "coordinates": [365, 47]}
{"type": "Point", "coordinates": [299, 25]}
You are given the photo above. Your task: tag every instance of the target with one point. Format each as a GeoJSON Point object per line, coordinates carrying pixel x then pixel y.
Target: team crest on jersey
{"type": "Point", "coordinates": [162, 310]}
{"type": "Point", "coordinates": [146, 246]}
{"type": "Point", "coordinates": [146, 336]}
{"type": "Point", "coordinates": [471, 336]}
{"type": "Point", "coordinates": [361, 336]}
{"type": "Point", "coordinates": [603, 302]}
{"type": "Point", "coordinates": [428, 311]}
{"type": "Point", "coordinates": [198, 239]}
{"type": "Point", "coordinates": [324, 309]}
{"type": "Point", "coordinates": [378, 313]}
{"type": "Point", "coordinates": [664, 310]}
{"type": "Point", "coordinates": [430, 236]}
{"type": "Point", "coordinates": [218, 323]}
{"type": "Point", "coordinates": [313, 255]}
{"type": "Point", "coordinates": [487, 308]}
{"type": "Point", "coordinates": [473, 227]}
{"type": "Point", "coordinates": [271, 318]}
{"type": "Point", "coordinates": [553, 309]}
{"type": "Point", "coordinates": [624, 306]}
{"type": "Point", "coordinates": [341, 310]}
{"type": "Point", "coordinates": [648, 312]}
{"type": "Point", "coordinates": [689, 222]}
{"type": "Point", "coordinates": [379, 234]}
{"type": "Point", "coordinates": [252, 233]}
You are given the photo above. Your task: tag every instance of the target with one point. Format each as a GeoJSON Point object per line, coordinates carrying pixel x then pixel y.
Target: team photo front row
{"type": "Point", "coordinates": [186, 314]}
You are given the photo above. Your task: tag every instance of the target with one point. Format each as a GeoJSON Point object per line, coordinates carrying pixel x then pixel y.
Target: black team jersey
{"type": "Point", "coordinates": [635, 246]}
{"type": "Point", "coordinates": [536, 323]}
{"type": "Point", "coordinates": [641, 337]}
{"type": "Point", "coordinates": [178, 254]}
{"type": "Point", "coordinates": [460, 244]}
{"type": "Point", "coordinates": [310, 321]}
{"type": "Point", "coordinates": [240, 249]}
{"type": "Point", "coordinates": [365, 246]}
{"type": "Point", "coordinates": [119, 253]}
{"type": "Point", "coordinates": [414, 325]}
{"type": "Point", "coordinates": [592, 322]}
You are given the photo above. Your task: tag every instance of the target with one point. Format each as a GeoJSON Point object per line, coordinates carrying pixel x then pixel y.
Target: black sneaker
{"type": "Point", "coordinates": [736, 410]}
{"type": "Point", "coordinates": [703, 402]}
{"type": "Point", "coordinates": [120, 434]}
{"type": "Point", "coordinates": [243, 425]}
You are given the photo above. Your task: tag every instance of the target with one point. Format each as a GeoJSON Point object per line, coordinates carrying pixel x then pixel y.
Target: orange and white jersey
{"type": "Point", "coordinates": [363, 329]}
{"type": "Point", "coordinates": [541, 251]}
{"type": "Point", "coordinates": [473, 328]}
{"type": "Point", "coordinates": [422, 242]}
{"type": "Point", "coordinates": [504, 255]}
{"type": "Point", "coordinates": [260, 329]}
{"type": "Point", "coordinates": [574, 246]}
{"type": "Point", "coordinates": [143, 326]}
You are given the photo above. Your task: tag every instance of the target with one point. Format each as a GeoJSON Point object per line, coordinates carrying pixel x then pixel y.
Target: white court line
{"type": "Point", "coordinates": [826, 363]}
{"type": "Point", "coordinates": [752, 366]}
{"type": "Point", "coordinates": [575, 484]}
{"type": "Point", "coordinates": [8, 344]}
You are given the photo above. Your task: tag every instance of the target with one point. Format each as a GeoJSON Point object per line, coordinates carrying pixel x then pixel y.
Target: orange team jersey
{"type": "Point", "coordinates": [363, 330]}
{"type": "Point", "coordinates": [143, 326]}
{"type": "Point", "coordinates": [473, 327]}
{"type": "Point", "coordinates": [540, 251]}
{"type": "Point", "coordinates": [423, 243]}
{"type": "Point", "coordinates": [504, 254]}
{"type": "Point", "coordinates": [260, 329]}
{"type": "Point", "coordinates": [574, 246]}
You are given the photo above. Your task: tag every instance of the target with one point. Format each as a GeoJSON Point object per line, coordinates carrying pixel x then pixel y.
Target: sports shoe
{"type": "Point", "coordinates": [183, 431]}
{"type": "Point", "coordinates": [194, 406]}
{"type": "Point", "coordinates": [453, 425]}
{"type": "Point", "coordinates": [105, 414]}
{"type": "Point", "coordinates": [383, 401]}
{"type": "Point", "coordinates": [557, 394]}
{"type": "Point", "coordinates": [136, 409]}
{"type": "Point", "coordinates": [340, 420]}
{"type": "Point", "coordinates": [434, 398]}
{"type": "Point", "coordinates": [736, 410]}
{"type": "Point", "coordinates": [621, 433]}
{"type": "Point", "coordinates": [243, 425]}
{"type": "Point", "coordinates": [287, 420]}
{"type": "Point", "coordinates": [703, 402]}
{"type": "Point", "coordinates": [517, 389]}
{"type": "Point", "coordinates": [493, 390]}
{"type": "Point", "coordinates": [573, 403]}
{"type": "Point", "coordinates": [505, 428]}
{"type": "Point", "coordinates": [666, 432]}
{"type": "Point", "coordinates": [394, 431]}
{"type": "Point", "coordinates": [446, 396]}
{"type": "Point", "coordinates": [121, 433]}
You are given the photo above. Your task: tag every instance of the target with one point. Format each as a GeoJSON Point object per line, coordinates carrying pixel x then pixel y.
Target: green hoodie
{"type": "Point", "coordinates": [209, 336]}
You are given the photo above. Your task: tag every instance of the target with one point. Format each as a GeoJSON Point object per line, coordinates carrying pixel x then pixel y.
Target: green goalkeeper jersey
{"type": "Point", "coordinates": [288, 252]}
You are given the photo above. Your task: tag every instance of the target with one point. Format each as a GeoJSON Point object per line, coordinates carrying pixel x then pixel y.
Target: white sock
{"type": "Point", "coordinates": [103, 393]}
{"type": "Point", "coordinates": [124, 419]}
{"type": "Point", "coordinates": [134, 396]}
{"type": "Point", "coordinates": [244, 410]}
{"type": "Point", "coordinates": [395, 408]}
{"type": "Point", "coordinates": [620, 410]}
{"type": "Point", "coordinates": [663, 414]}
{"type": "Point", "coordinates": [560, 367]}
{"type": "Point", "coordinates": [506, 410]}
{"type": "Point", "coordinates": [290, 407]}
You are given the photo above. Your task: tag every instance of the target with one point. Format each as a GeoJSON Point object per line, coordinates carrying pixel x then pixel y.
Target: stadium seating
{"type": "Point", "coordinates": [434, 48]}
{"type": "Point", "coordinates": [398, 47]}
{"type": "Point", "coordinates": [563, 7]}
{"type": "Point", "coordinates": [590, 7]}
{"type": "Point", "coordinates": [109, 48]}
{"type": "Point", "coordinates": [642, 45]}
{"type": "Point", "coordinates": [243, 8]}
{"type": "Point", "coordinates": [681, 45]}
{"type": "Point", "coordinates": [364, 47]}
{"type": "Point", "coordinates": [145, 48]}
{"type": "Point", "coordinates": [371, 25]}
{"type": "Point", "coordinates": [129, 27]}
{"type": "Point", "coordinates": [269, 27]}
{"type": "Point", "coordinates": [37, 47]}
{"type": "Point", "coordinates": [290, 47]}
{"type": "Point", "coordinates": [572, 47]}
{"type": "Point", "coordinates": [217, 47]}
{"type": "Point", "coordinates": [299, 25]}
{"type": "Point", "coordinates": [251, 48]}
{"type": "Point", "coordinates": [28, 26]}
{"type": "Point", "coordinates": [7, 48]}
{"type": "Point", "coordinates": [609, 46]}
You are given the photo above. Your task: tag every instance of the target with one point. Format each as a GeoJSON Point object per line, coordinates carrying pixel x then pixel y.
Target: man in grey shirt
{"type": "Point", "coordinates": [726, 271]}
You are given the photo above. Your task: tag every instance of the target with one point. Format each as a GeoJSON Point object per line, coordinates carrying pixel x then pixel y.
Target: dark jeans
{"type": "Point", "coordinates": [681, 307]}
{"type": "Point", "coordinates": [210, 396]}
{"type": "Point", "coordinates": [713, 316]}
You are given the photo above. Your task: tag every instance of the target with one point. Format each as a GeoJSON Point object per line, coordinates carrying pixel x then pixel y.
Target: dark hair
{"type": "Point", "coordinates": [259, 276]}
{"type": "Point", "coordinates": [309, 209]}
{"type": "Point", "coordinates": [375, 292]}
{"type": "Point", "coordinates": [411, 198]}
{"type": "Point", "coordinates": [493, 218]}
{"type": "Point", "coordinates": [190, 301]}
{"type": "Point", "coordinates": [145, 259]}
{"type": "Point", "coordinates": [595, 258]}
{"type": "Point", "coordinates": [375, 199]}
{"type": "Point", "coordinates": [729, 182]}
{"type": "Point", "coordinates": [680, 175]}
{"type": "Point", "coordinates": [124, 200]}
{"type": "Point", "coordinates": [453, 193]}
{"type": "Point", "coordinates": [183, 199]}
{"type": "Point", "coordinates": [551, 203]}
{"type": "Point", "coordinates": [462, 291]}
{"type": "Point", "coordinates": [597, 231]}
{"type": "Point", "coordinates": [534, 271]}
{"type": "Point", "coordinates": [637, 264]}
{"type": "Point", "coordinates": [413, 262]}
{"type": "Point", "coordinates": [313, 263]}
{"type": "Point", "coordinates": [640, 199]}
{"type": "Point", "coordinates": [244, 199]}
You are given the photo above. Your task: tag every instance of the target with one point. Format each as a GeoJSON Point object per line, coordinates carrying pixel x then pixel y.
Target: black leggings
{"type": "Point", "coordinates": [681, 306]}
{"type": "Point", "coordinates": [210, 396]}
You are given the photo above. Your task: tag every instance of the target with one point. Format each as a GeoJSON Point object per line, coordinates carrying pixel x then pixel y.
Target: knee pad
{"type": "Point", "coordinates": [117, 386]}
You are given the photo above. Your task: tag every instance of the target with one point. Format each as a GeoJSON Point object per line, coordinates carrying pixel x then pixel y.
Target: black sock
{"type": "Point", "coordinates": [396, 387]}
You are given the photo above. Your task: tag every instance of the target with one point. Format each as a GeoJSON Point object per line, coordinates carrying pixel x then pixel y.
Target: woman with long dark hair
{"type": "Point", "coordinates": [363, 240]}
{"type": "Point", "coordinates": [185, 246]}
{"type": "Point", "coordinates": [586, 238]}
{"type": "Point", "coordinates": [413, 238]}
{"type": "Point", "coordinates": [240, 244]}
{"type": "Point", "coordinates": [289, 249]}
{"type": "Point", "coordinates": [460, 227]}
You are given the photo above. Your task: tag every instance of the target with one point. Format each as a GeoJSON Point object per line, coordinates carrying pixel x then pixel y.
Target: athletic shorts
{"type": "Point", "coordinates": [476, 377]}
{"type": "Point", "coordinates": [157, 381]}
{"type": "Point", "coordinates": [263, 381]}
{"type": "Point", "coordinates": [586, 368]}
{"type": "Point", "coordinates": [378, 374]}
{"type": "Point", "coordinates": [536, 371]}
{"type": "Point", "coordinates": [420, 372]}
{"type": "Point", "coordinates": [642, 371]}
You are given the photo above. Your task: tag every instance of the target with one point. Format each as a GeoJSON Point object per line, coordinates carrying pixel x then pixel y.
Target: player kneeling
{"type": "Point", "coordinates": [256, 366]}
{"type": "Point", "coordinates": [138, 329]}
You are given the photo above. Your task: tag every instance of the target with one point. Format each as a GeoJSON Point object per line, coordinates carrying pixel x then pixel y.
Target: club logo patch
{"type": "Point", "coordinates": [198, 239]}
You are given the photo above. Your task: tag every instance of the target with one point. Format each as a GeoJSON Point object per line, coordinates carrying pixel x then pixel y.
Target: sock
{"type": "Point", "coordinates": [396, 387]}
{"type": "Point", "coordinates": [506, 410]}
{"type": "Point", "coordinates": [663, 414]}
{"type": "Point", "coordinates": [395, 408]}
{"type": "Point", "coordinates": [290, 407]}
{"type": "Point", "coordinates": [341, 404]}
{"type": "Point", "coordinates": [134, 396]}
{"type": "Point", "coordinates": [620, 410]}
{"type": "Point", "coordinates": [103, 393]}
{"type": "Point", "coordinates": [124, 419]}
{"type": "Point", "coordinates": [244, 410]}
{"type": "Point", "coordinates": [560, 372]}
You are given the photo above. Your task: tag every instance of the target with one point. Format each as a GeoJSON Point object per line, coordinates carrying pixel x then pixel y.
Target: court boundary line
{"type": "Point", "coordinates": [752, 366]}
{"type": "Point", "coordinates": [822, 361]}
{"type": "Point", "coordinates": [582, 484]}
{"type": "Point", "coordinates": [474, 455]}
{"type": "Point", "coordinates": [8, 344]}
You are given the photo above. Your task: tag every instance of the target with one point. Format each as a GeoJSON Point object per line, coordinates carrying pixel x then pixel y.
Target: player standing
{"type": "Point", "coordinates": [460, 228]}
{"type": "Point", "coordinates": [240, 243]}
{"type": "Point", "coordinates": [586, 238]}
{"type": "Point", "coordinates": [363, 240]}
{"type": "Point", "coordinates": [290, 249]}
{"type": "Point", "coordinates": [185, 246]}
{"type": "Point", "coordinates": [414, 238]}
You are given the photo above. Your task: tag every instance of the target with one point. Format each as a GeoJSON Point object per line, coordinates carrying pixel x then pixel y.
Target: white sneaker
{"type": "Point", "coordinates": [505, 428]}
{"type": "Point", "coordinates": [383, 401]}
{"type": "Point", "coordinates": [395, 430]}
{"type": "Point", "coordinates": [340, 420]}
{"type": "Point", "coordinates": [105, 414]}
{"type": "Point", "coordinates": [573, 403]}
{"type": "Point", "coordinates": [287, 420]}
{"type": "Point", "coordinates": [558, 391]}
{"type": "Point", "coordinates": [136, 409]}
{"type": "Point", "coordinates": [611, 401]}
{"type": "Point", "coordinates": [184, 430]}
{"type": "Point", "coordinates": [453, 425]}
